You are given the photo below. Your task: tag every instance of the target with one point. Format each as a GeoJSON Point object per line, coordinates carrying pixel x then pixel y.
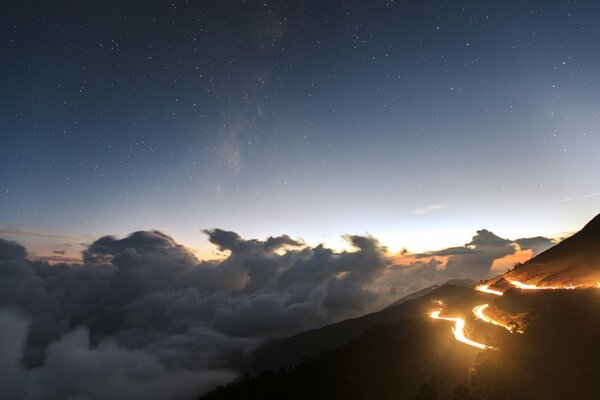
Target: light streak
{"type": "Point", "coordinates": [526, 286]}
{"type": "Point", "coordinates": [479, 313]}
{"type": "Point", "coordinates": [486, 289]}
{"type": "Point", "coordinates": [459, 330]}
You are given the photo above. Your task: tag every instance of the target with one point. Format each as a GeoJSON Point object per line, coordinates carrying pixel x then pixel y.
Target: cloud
{"type": "Point", "coordinates": [141, 314]}
{"type": "Point", "coordinates": [4, 230]}
{"type": "Point", "coordinates": [74, 369]}
{"type": "Point", "coordinates": [474, 260]}
{"type": "Point", "coordinates": [536, 244]}
{"type": "Point", "coordinates": [10, 250]}
{"type": "Point", "coordinates": [568, 199]}
{"type": "Point", "coordinates": [55, 259]}
{"type": "Point", "coordinates": [227, 240]}
{"type": "Point", "coordinates": [430, 208]}
{"type": "Point", "coordinates": [145, 300]}
{"type": "Point", "coordinates": [403, 279]}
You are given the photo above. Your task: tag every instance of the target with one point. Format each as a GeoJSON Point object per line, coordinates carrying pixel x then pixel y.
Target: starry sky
{"type": "Point", "coordinates": [416, 121]}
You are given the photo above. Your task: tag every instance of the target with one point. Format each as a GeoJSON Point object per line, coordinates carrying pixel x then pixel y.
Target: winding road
{"type": "Point", "coordinates": [459, 330]}
{"type": "Point", "coordinates": [479, 311]}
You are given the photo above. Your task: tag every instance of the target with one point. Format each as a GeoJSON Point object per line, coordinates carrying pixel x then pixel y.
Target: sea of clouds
{"type": "Point", "coordinates": [141, 317]}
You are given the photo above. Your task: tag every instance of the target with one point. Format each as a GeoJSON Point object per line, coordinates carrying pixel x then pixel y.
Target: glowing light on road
{"type": "Point", "coordinates": [479, 312]}
{"type": "Point", "coordinates": [459, 330]}
{"type": "Point", "coordinates": [486, 289]}
{"type": "Point", "coordinates": [526, 286]}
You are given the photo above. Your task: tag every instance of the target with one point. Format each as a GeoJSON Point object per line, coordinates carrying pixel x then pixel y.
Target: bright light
{"type": "Point", "coordinates": [526, 286]}
{"type": "Point", "coordinates": [486, 289]}
{"type": "Point", "coordinates": [479, 312]}
{"type": "Point", "coordinates": [459, 330]}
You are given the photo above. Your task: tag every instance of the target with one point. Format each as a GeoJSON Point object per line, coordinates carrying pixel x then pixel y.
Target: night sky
{"type": "Point", "coordinates": [418, 122]}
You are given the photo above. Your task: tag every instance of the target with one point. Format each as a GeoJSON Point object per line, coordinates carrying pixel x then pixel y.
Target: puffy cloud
{"type": "Point", "coordinates": [474, 260]}
{"type": "Point", "coordinates": [146, 300]}
{"type": "Point", "coordinates": [74, 369]}
{"type": "Point", "coordinates": [402, 279]}
{"type": "Point", "coordinates": [227, 240]}
{"type": "Point", "coordinates": [536, 244]}
{"type": "Point", "coordinates": [141, 313]}
{"type": "Point", "coordinates": [11, 251]}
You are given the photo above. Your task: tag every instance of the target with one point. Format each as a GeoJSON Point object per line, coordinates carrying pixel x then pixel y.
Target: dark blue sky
{"type": "Point", "coordinates": [416, 121]}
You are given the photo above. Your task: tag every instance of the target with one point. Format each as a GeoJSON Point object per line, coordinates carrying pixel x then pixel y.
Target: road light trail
{"type": "Point", "coordinates": [459, 330]}
{"type": "Point", "coordinates": [526, 286]}
{"type": "Point", "coordinates": [486, 289]}
{"type": "Point", "coordinates": [459, 323]}
{"type": "Point", "coordinates": [479, 312]}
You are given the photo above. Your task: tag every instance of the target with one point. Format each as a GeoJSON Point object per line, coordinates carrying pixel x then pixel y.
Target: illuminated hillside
{"type": "Point", "coordinates": [574, 262]}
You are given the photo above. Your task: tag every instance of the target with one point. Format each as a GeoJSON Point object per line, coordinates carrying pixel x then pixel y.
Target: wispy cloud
{"type": "Point", "coordinates": [430, 208]}
{"type": "Point", "coordinates": [57, 259]}
{"type": "Point", "coordinates": [31, 232]}
{"type": "Point", "coordinates": [585, 196]}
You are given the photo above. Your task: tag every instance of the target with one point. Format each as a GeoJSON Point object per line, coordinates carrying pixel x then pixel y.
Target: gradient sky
{"type": "Point", "coordinates": [418, 122]}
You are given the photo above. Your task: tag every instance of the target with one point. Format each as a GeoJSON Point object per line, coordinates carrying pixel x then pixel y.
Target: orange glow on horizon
{"type": "Point", "coordinates": [520, 256]}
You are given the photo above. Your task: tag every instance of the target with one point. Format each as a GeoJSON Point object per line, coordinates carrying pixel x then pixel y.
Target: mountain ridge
{"type": "Point", "coordinates": [575, 261]}
{"type": "Point", "coordinates": [285, 352]}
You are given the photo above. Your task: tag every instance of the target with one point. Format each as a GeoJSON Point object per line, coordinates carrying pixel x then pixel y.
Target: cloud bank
{"type": "Point", "coordinates": [141, 317]}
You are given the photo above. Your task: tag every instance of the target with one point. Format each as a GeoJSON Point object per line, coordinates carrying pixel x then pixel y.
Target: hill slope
{"type": "Point", "coordinates": [573, 262]}
{"type": "Point", "coordinates": [285, 352]}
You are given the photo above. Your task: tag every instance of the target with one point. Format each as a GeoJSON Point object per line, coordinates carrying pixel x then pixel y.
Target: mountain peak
{"type": "Point", "coordinates": [574, 261]}
{"type": "Point", "coordinates": [592, 227]}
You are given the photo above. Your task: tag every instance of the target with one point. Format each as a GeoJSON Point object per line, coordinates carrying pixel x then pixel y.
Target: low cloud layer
{"type": "Point", "coordinates": [475, 259]}
{"type": "Point", "coordinates": [141, 317]}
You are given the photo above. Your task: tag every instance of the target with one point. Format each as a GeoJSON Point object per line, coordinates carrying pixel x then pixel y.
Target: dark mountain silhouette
{"type": "Point", "coordinates": [386, 362]}
{"type": "Point", "coordinates": [401, 353]}
{"type": "Point", "coordinates": [420, 293]}
{"type": "Point", "coordinates": [285, 352]}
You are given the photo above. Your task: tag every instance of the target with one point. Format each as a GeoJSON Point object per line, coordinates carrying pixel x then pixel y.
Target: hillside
{"type": "Point", "coordinates": [386, 362]}
{"type": "Point", "coordinates": [284, 352]}
{"type": "Point", "coordinates": [468, 283]}
{"type": "Point", "coordinates": [573, 262]}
